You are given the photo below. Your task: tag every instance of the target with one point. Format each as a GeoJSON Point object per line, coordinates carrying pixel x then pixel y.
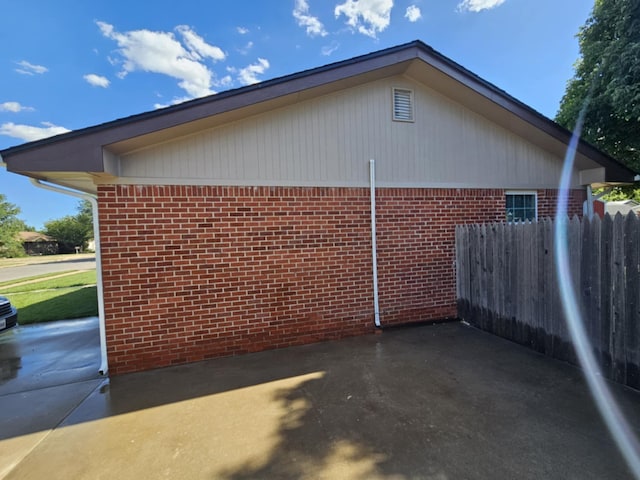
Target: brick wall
{"type": "Point", "coordinates": [196, 272]}
{"type": "Point", "coordinates": [547, 200]}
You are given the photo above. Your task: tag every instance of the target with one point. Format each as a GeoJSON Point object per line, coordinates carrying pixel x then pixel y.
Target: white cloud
{"type": "Point", "coordinates": [242, 30]}
{"type": "Point", "coordinates": [161, 52]}
{"type": "Point", "coordinates": [245, 50]}
{"type": "Point", "coordinates": [224, 82]}
{"type": "Point", "coordinates": [27, 68]}
{"type": "Point", "coordinates": [14, 107]}
{"type": "Point", "coordinates": [198, 47]}
{"type": "Point", "coordinates": [413, 13]}
{"type": "Point", "coordinates": [248, 74]}
{"type": "Point", "coordinates": [369, 17]}
{"type": "Point", "coordinates": [329, 49]}
{"type": "Point", "coordinates": [105, 28]}
{"type": "Point", "coordinates": [97, 80]}
{"type": "Point", "coordinates": [30, 133]}
{"type": "Point", "coordinates": [478, 5]}
{"type": "Point", "coordinates": [313, 25]}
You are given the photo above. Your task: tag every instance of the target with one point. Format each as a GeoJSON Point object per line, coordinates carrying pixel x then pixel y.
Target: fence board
{"type": "Point", "coordinates": [527, 278]}
{"type": "Point", "coordinates": [507, 284]}
{"type": "Point", "coordinates": [632, 315]}
{"type": "Point", "coordinates": [618, 297]}
{"type": "Point", "coordinates": [550, 313]}
{"type": "Point", "coordinates": [606, 301]}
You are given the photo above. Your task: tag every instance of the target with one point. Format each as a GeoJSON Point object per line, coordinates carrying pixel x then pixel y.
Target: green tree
{"type": "Point", "coordinates": [69, 232]}
{"type": "Point", "coordinates": [73, 230]}
{"type": "Point", "coordinates": [607, 80]}
{"type": "Point", "coordinates": [85, 216]}
{"type": "Point", "coordinates": [10, 225]}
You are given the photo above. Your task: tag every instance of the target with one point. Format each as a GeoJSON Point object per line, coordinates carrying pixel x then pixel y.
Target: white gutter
{"type": "Point", "coordinates": [104, 366]}
{"type": "Point", "coordinates": [374, 244]}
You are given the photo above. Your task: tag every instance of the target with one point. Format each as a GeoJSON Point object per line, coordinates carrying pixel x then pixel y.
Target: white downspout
{"type": "Point", "coordinates": [374, 244]}
{"type": "Point", "coordinates": [590, 200]}
{"type": "Point", "coordinates": [104, 366]}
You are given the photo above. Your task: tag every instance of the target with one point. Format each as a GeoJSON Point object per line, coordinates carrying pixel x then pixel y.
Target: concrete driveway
{"type": "Point", "coordinates": [46, 371]}
{"type": "Point", "coordinates": [435, 402]}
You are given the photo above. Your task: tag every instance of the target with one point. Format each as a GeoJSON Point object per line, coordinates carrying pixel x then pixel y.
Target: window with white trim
{"type": "Point", "coordinates": [521, 206]}
{"type": "Point", "coordinates": [402, 105]}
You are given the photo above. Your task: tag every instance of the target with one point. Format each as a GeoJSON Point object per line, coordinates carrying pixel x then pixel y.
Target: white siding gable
{"type": "Point", "coordinates": [328, 141]}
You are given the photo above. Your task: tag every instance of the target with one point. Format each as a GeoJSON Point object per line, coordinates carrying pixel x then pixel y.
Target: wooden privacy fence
{"type": "Point", "coordinates": [507, 285]}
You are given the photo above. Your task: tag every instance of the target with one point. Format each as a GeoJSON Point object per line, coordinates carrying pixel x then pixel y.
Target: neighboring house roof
{"type": "Point", "coordinates": [622, 206]}
{"type": "Point", "coordinates": [80, 158]}
{"type": "Point", "coordinates": [35, 237]}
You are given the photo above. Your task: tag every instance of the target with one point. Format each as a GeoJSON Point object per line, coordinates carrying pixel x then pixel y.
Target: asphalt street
{"type": "Point", "coordinates": [15, 273]}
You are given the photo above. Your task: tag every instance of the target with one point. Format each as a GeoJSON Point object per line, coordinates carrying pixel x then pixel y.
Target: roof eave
{"type": "Point", "coordinates": [83, 150]}
{"type": "Point", "coordinates": [196, 109]}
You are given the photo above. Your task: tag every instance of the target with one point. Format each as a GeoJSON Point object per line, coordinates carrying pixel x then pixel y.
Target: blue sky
{"type": "Point", "coordinates": [70, 64]}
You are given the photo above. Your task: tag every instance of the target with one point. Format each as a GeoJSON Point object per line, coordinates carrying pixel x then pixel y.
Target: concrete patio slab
{"type": "Point", "coordinates": [434, 402]}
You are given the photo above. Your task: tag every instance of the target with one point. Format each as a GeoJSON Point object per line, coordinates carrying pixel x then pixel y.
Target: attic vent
{"type": "Point", "coordinates": [402, 105]}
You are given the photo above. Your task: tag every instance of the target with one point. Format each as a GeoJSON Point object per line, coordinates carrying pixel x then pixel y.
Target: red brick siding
{"type": "Point", "coordinates": [416, 254]}
{"type": "Point", "coordinates": [196, 272]}
{"type": "Point", "coordinates": [547, 200]}
{"type": "Point", "coordinates": [416, 230]}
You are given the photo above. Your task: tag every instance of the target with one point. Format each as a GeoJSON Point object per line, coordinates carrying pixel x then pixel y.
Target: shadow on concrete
{"type": "Point", "coordinates": [49, 354]}
{"type": "Point", "coordinates": [46, 370]}
{"type": "Point", "coordinates": [457, 405]}
{"type": "Point", "coordinates": [11, 359]}
{"type": "Point", "coordinates": [437, 402]}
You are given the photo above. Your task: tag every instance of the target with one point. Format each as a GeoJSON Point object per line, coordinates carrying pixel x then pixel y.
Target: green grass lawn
{"type": "Point", "coordinates": [77, 280]}
{"type": "Point", "coordinates": [63, 298]}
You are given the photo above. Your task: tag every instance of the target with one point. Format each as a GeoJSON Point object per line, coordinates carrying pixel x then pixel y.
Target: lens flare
{"type": "Point", "coordinates": [609, 409]}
